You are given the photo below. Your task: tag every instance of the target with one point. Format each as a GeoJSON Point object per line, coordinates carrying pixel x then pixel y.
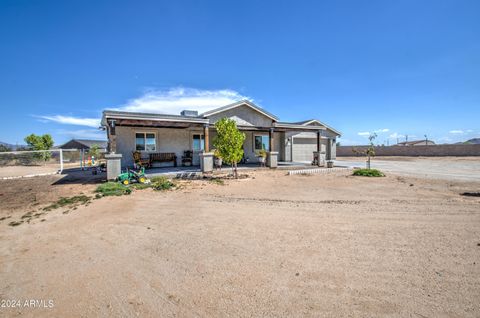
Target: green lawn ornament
{"type": "Point", "coordinates": [132, 176]}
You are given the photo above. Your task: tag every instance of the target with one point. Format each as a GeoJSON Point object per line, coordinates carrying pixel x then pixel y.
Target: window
{"type": "Point", "coordinates": [145, 142]}
{"type": "Point", "coordinates": [198, 142]}
{"type": "Point", "coordinates": [262, 142]}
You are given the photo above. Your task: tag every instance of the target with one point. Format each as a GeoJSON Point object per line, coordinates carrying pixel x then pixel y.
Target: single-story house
{"type": "Point", "coordinates": [84, 144]}
{"type": "Point", "coordinates": [147, 133]}
{"type": "Point", "coordinates": [424, 142]}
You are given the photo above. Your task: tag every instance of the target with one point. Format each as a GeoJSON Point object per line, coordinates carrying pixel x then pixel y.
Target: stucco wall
{"type": "Point", "coordinates": [167, 140]}
{"type": "Point", "coordinates": [244, 116]}
{"type": "Point", "coordinates": [428, 151]}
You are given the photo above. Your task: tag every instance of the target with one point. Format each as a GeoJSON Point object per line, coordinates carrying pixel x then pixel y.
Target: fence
{"type": "Point", "coordinates": [23, 164]}
{"type": "Point", "coordinates": [413, 151]}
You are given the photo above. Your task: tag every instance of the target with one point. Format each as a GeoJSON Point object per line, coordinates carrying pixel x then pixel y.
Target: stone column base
{"type": "Point", "coordinates": [272, 159]}
{"type": "Point", "coordinates": [206, 161]}
{"type": "Point", "coordinates": [319, 158]}
{"type": "Point", "coordinates": [114, 165]}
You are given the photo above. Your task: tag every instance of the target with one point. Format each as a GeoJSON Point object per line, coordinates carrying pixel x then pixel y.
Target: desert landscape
{"type": "Point", "coordinates": [266, 245]}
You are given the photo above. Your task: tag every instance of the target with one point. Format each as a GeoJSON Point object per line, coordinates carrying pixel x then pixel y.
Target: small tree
{"type": "Point", "coordinates": [94, 151]}
{"type": "Point", "coordinates": [229, 142]}
{"type": "Point", "coordinates": [44, 142]}
{"type": "Point", "coordinates": [370, 151]}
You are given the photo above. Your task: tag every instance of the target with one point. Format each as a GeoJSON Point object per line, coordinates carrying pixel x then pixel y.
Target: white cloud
{"type": "Point", "coordinates": [458, 132]}
{"type": "Point", "coordinates": [84, 133]}
{"type": "Point", "coordinates": [169, 101]}
{"type": "Point", "coordinates": [368, 133]}
{"type": "Point", "coordinates": [174, 100]}
{"type": "Point", "coordinates": [469, 130]}
{"type": "Point", "coordinates": [70, 120]}
{"type": "Point", "coordinates": [396, 135]}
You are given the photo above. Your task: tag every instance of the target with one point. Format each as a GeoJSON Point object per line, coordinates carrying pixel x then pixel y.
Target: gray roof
{"type": "Point", "coordinates": [236, 104]}
{"type": "Point", "coordinates": [305, 122]}
{"type": "Point", "coordinates": [88, 143]}
{"type": "Point", "coordinates": [203, 118]}
{"type": "Point", "coordinates": [150, 116]}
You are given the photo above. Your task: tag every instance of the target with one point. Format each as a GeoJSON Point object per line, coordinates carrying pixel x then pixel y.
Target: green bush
{"type": "Point", "coordinates": [368, 173]}
{"type": "Point", "coordinates": [161, 183]}
{"type": "Point", "coordinates": [112, 188]}
{"type": "Point", "coordinates": [71, 201]}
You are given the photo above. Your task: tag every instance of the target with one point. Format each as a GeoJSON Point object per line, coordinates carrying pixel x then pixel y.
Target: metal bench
{"type": "Point", "coordinates": [163, 157]}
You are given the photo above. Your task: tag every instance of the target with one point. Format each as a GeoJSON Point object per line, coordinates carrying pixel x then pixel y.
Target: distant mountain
{"type": "Point", "coordinates": [473, 141]}
{"type": "Point", "coordinates": [12, 147]}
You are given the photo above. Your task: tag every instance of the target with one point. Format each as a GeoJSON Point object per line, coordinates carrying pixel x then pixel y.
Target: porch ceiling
{"type": "Point", "coordinates": [157, 124]}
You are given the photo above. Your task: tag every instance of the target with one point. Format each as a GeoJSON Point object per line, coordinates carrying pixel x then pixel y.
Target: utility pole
{"type": "Point", "coordinates": [426, 140]}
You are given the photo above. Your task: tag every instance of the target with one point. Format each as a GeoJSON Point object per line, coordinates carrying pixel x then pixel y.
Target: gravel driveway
{"type": "Point", "coordinates": [450, 168]}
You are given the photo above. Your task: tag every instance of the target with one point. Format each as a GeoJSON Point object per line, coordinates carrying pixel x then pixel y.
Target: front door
{"type": "Point", "coordinates": [198, 145]}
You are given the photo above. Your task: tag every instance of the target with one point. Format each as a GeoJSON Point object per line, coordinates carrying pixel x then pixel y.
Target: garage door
{"type": "Point", "coordinates": [303, 149]}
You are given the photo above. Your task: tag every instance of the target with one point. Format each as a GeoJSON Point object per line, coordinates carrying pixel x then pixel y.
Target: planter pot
{"type": "Point", "coordinates": [329, 164]}
{"type": "Point", "coordinates": [262, 160]}
{"type": "Point", "coordinates": [218, 162]}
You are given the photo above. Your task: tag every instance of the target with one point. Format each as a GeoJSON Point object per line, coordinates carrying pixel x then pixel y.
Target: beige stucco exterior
{"type": "Point", "coordinates": [250, 119]}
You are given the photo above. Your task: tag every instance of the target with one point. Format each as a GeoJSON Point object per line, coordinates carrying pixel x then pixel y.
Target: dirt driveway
{"type": "Point", "coordinates": [268, 246]}
{"type": "Point", "coordinates": [448, 168]}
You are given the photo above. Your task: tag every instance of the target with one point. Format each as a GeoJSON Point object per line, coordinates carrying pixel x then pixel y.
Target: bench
{"type": "Point", "coordinates": [163, 157]}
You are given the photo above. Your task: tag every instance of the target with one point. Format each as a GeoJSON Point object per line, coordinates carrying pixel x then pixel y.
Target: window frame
{"type": "Point", "coordinates": [267, 147]}
{"type": "Point", "coordinates": [202, 138]}
{"type": "Point", "coordinates": [145, 140]}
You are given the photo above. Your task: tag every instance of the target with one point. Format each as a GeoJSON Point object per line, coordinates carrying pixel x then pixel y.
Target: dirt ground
{"type": "Point", "coordinates": [270, 245]}
{"type": "Point", "coordinates": [447, 168]}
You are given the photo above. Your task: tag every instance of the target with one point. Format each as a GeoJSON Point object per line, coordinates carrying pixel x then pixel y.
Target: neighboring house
{"type": "Point", "coordinates": [416, 143]}
{"type": "Point", "coordinates": [84, 144]}
{"type": "Point", "coordinates": [159, 133]}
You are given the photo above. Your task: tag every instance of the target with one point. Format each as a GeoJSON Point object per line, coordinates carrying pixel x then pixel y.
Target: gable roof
{"type": "Point", "coordinates": [311, 121]}
{"type": "Point", "coordinates": [238, 104]}
{"type": "Point", "coordinates": [87, 143]}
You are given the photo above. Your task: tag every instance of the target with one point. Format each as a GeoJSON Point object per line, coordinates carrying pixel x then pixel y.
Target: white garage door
{"type": "Point", "coordinates": [303, 149]}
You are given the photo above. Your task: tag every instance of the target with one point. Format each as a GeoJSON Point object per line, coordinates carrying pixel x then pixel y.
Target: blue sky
{"type": "Point", "coordinates": [395, 67]}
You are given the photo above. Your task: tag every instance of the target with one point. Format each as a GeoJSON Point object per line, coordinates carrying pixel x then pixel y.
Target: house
{"type": "Point", "coordinates": [424, 142]}
{"type": "Point", "coordinates": [83, 144]}
{"type": "Point", "coordinates": [174, 134]}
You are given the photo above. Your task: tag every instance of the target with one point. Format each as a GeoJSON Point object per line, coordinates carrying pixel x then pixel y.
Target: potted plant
{"type": "Point", "coordinates": [262, 156]}
{"type": "Point", "coordinates": [218, 158]}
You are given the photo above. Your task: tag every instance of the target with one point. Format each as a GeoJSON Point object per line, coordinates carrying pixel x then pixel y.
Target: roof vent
{"type": "Point", "coordinates": [189, 113]}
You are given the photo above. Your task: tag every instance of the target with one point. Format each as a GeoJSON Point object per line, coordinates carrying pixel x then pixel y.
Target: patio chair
{"type": "Point", "coordinates": [137, 159]}
{"type": "Point", "coordinates": [187, 158]}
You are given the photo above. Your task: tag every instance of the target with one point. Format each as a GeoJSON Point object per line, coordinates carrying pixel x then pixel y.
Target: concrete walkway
{"type": "Point", "coordinates": [449, 168]}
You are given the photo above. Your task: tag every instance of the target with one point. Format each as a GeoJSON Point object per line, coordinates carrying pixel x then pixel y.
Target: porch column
{"type": "Point", "coordinates": [114, 161]}
{"type": "Point", "coordinates": [112, 137]}
{"type": "Point", "coordinates": [206, 137]}
{"type": "Point", "coordinates": [272, 156]}
{"type": "Point", "coordinates": [270, 139]}
{"type": "Point", "coordinates": [316, 154]}
{"type": "Point", "coordinates": [318, 141]}
{"type": "Point", "coordinates": [206, 157]}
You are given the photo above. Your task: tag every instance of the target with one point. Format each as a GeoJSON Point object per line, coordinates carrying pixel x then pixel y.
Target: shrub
{"type": "Point", "coordinates": [217, 181]}
{"type": "Point", "coordinates": [112, 188]}
{"type": "Point", "coordinates": [161, 183]}
{"type": "Point", "coordinates": [368, 173]}
{"type": "Point", "coordinates": [71, 201]}
{"type": "Point", "coordinates": [262, 153]}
